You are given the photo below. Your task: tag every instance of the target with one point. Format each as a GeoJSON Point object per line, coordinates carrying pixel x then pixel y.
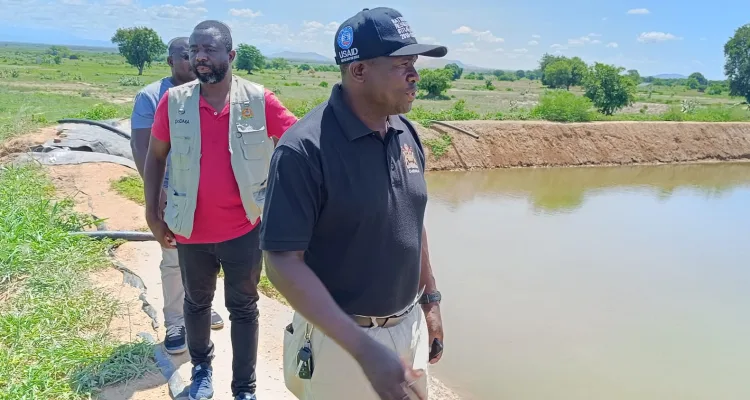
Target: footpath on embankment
{"type": "Point", "coordinates": [505, 144]}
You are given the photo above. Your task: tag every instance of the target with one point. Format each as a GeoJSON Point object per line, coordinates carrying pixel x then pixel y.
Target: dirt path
{"type": "Point", "coordinates": [89, 186]}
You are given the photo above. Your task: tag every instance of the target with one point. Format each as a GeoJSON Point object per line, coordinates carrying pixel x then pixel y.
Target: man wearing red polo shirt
{"type": "Point", "coordinates": [221, 131]}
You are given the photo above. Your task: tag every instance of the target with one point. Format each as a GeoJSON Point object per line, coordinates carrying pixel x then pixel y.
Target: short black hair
{"type": "Point", "coordinates": [177, 44]}
{"type": "Point", "coordinates": [219, 29]}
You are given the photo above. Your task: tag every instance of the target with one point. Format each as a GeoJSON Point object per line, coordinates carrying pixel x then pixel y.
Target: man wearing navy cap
{"type": "Point", "coordinates": [343, 226]}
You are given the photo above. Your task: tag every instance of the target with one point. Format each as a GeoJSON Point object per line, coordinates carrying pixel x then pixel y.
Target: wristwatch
{"type": "Point", "coordinates": [428, 298]}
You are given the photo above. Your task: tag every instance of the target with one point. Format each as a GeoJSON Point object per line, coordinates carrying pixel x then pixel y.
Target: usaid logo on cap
{"type": "Point", "coordinates": [346, 37]}
{"type": "Point", "coordinates": [345, 40]}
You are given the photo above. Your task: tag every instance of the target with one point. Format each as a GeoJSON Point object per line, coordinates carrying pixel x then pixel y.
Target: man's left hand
{"type": "Point", "coordinates": [434, 327]}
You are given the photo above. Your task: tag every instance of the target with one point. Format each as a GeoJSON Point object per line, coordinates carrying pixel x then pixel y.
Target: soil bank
{"type": "Point", "coordinates": [504, 144]}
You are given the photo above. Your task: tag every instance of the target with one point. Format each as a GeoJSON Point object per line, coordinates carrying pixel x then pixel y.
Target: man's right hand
{"type": "Point", "coordinates": [391, 378]}
{"type": "Point", "coordinates": [161, 232]}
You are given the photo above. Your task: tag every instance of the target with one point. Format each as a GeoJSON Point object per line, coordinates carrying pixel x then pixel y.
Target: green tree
{"type": "Point", "coordinates": [455, 70]}
{"type": "Point", "coordinates": [635, 75]}
{"type": "Point", "coordinates": [139, 45]}
{"type": "Point", "coordinates": [715, 89]}
{"type": "Point", "coordinates": [305, 67]}
{"type": "Point", "coordinates": [559, 74]}
{"type": "Point", "coordinates": [702, 81]}
{"type": "Point", "coordinates": [737, 67]}
{"type": "Point", "coordinates": [608, 89]}
{"type": "Point", "coordinates": [546, 60]}
{"type": "Point", "coordinates": [520, 74]}
{"type": "Point", "coordinates": [61, 51]}
{"type": "Point", "coordinates": [249, 58]}
{"type": "Point", "coordinates": [578, 70]}
{"type": "Point", "coordinates": [279, 63]}
{"type": "Point", "coordinates": [693, 83]}
{"type": "Point", "coordinates": [434, 81]}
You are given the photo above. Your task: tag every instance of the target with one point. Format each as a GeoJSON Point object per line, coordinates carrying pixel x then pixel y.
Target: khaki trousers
{"type": "Point", "coordinates": [336, 375]}
{"type": "Point", "coordinates": [171, 284]}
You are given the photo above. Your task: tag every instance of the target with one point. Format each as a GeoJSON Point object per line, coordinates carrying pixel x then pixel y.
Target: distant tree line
{"type": "Point", "coordinates": [609, 87]}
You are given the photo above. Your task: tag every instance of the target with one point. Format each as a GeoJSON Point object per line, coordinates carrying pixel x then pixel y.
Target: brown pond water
{"type": "Point", "coordinates": [594, 283]}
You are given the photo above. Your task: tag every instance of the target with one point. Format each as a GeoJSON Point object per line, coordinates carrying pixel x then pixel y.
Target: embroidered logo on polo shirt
{"type": "Point", "coordinates": [409, 160]}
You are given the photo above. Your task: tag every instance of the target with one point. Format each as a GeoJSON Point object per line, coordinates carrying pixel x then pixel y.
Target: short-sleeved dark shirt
{"type": "Point", "coordinates": [353, 202]}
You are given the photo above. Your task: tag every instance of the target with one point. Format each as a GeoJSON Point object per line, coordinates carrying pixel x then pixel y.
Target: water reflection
{"type": "Point", "coordinates": [594, 283]}
{"type": "Point", "coordinates": [556, 190]}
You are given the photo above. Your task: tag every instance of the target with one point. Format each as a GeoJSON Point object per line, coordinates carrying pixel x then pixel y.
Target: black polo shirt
{"type": "Point", "coordinates": [354, 202]}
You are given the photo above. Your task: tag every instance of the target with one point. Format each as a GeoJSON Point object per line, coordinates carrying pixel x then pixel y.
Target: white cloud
{"type": "Point", "coordinates": [579, 42]}
{"type": "Point", "coordinates": [522, 51]}
{"type": "Point", "coordinates": [639, 11]}
{"type": "Point", "coordinates": [244, 13]}
{"type": "Point", "coordinates": [120, 2]}
{"type": "Point", "coordinates": [651, 37]}
{"type": "Point", "coordinates": [613, 45]}
{"type": "Point", "coordinates": [604, 18]}
{"type": "Point", "coordinates": [536, 36]}
{"type": "Point", "coordinates": [169, 11]}
{"type": "Point", "coordinates": [584, 40]}
{"type": "Point", "coordinates": [482, 36]}
{"type": "Point", "coordinates": [499, 50]}
{"type": "Point", "coordinates": [74, 2]}
{"type": "Point", "coordinates": [194, 2]}
{"type": "Point", "coordinates": [234, 1]}
{"type": "Point", "coordinates": [533, 43]}
{"type": "Point", "coordinates": [559, 46]}
{"type": "Point", "coordinates": [315, 27]}
{"type": "Point", "coordinates": [468, 47]}
{"type": "Point", "coordinates": [703, 39]}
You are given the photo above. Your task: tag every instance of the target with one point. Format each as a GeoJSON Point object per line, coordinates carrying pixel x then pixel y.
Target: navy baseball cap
{"type": "Point", "coordinates": [379, 32]}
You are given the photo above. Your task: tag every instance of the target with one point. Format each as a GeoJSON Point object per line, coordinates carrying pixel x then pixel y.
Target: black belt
{"type": "Point", "coordinates": [382, 322]}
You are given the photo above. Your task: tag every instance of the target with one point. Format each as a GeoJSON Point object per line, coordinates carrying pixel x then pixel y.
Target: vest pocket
{"type": "Point", "coordinates": [175, 211]}
{"type": "Point", "coordinates": [254, 146]}
{"type": "Point", "coordinates": [180, 152]}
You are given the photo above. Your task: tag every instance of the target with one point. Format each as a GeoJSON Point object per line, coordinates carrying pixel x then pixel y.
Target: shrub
{"type": "Point", "coordinates": [563, 106]}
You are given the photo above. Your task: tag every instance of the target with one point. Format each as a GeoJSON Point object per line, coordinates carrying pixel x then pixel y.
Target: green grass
{"type": "Point", "coordinates": [23, 111]}
{"type": "Point", "coordinates": [100, 84]}
{"type": "Point", "coordinates": [439, 146]}
{"type": "Point", "coordinates": [131, 187]}
{"type": "Point", "coordinates": [54, 341]}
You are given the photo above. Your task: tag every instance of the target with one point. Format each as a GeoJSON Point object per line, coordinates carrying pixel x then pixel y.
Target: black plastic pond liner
{"type": "Point", "coordinates": [108, 127]}
{"type": "Point", "coordinates": [131, 236]}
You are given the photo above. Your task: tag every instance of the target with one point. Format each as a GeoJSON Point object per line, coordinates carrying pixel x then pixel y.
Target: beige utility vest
{"type": "Point", "coordinates": [250, 150]}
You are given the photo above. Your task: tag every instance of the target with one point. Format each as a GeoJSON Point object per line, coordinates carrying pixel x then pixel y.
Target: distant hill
{"type": "Point", "coordinates": [304, 57]}
{"type": "Point", "coordinates": [73, 47]}
{"type": "Point", "coordinates": [670, 76]}
{"type": "Point", "coordinates": [427, 62]}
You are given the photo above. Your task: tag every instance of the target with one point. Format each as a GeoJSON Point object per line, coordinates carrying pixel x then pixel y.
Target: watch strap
{"type": "Point", "coordinates": [427, 298]}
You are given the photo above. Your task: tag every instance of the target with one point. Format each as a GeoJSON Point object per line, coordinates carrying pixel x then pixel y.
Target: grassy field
{"type": "Point", "coordinates": [54, 339]}
{"type": "Point", "coordinates": [37, 91]}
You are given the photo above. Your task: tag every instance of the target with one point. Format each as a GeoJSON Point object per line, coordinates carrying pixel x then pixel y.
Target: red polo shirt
{"type": "Point", "coordinates": [219, 215]}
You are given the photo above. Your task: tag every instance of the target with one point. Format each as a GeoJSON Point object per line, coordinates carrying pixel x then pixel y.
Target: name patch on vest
{"type": "Point", "coordinates": [181, 121]}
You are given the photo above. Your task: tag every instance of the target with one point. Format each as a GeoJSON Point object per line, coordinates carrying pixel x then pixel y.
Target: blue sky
{"type": "Point", "coordinates": [664, 36]}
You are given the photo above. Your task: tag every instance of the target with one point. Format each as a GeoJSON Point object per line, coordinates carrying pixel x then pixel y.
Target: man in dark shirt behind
{"type": "Point", "coordinates": [343, 226]}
